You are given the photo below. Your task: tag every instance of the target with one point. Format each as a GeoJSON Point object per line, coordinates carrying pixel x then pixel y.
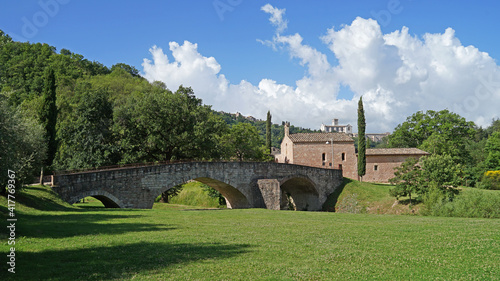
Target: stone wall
{"type": "Point", "coordinates": [380, 168]}
{"type": "Point", "coordinates": [238, 182]}
{"type": "Point", "coordinates": [320, 155]}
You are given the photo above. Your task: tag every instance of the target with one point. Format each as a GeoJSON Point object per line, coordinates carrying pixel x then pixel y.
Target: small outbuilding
{"type": "Point", "coordinates": [381, 162]}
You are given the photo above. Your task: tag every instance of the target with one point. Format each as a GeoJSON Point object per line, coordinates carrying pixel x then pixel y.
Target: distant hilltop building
{"type": "Point", "coordinates": [335, 127]}
{"type": "Point", "coordinates": [374, 137]}
{"type": "Point", "coordinates": [249, 118]}
{"type": "Point", "coordinates": [347, 129]}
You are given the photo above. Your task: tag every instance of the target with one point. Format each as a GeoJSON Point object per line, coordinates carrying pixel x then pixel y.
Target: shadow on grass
{"type": "Point", "coordinates": [80, 224]}
{"type": "Point", "coordinates": [414, 201]}
{"type": "Point", "coordinates": [332, 199]}
{"type": "Point", "coordinates": [42, 200]}
{"type": "Point", "coordinates": [90, 207]}
{"type": "Point", "coordinates": [117, 262]}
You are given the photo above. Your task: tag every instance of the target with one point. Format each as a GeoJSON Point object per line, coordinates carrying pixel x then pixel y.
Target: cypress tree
{"type": "Point", "coordinates": [268, 132]}
{"type": "Point", "coordinates": [361, 140]}
{"type": "Point", "coordinates": [48, 114]}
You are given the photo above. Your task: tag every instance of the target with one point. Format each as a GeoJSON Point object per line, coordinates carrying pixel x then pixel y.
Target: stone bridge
{"type": "Point", "coordinates": [243, 184]}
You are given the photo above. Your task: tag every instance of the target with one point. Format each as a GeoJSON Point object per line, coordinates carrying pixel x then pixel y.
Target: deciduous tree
{"type": "Point", "coordinates": [86, 134]}
{"type": "Point", "coordinates": [162, 126]}
{"type": "Point", "coordinates": [424, 130]}
{"type": "Point", "coordinates": [243, 142]}
{"type": "Point", "coordinates": [492, 147]}
{"type": "Point", "coordinates": [22, 145]}
{"type": "Point", "coordinates": [407, 178]}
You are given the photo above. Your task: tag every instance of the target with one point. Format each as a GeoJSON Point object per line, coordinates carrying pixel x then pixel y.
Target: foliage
{"type": "Point", "coordinates": [407, 179]}
{"type": "Point", "coordinates": [437, 144]}
{"type": "Point", "coordinates": [243, 142]}
{"type": "Point", "coordinates": [268, 132]}
{"type": "Point", "coordinates": [475, 166]}
{"type": "Point", "coordinates": [22, 146]}
{"type": "Point", "coordinates": [198, 195]}
{"type": "Point", "coordinates": [86, 134]}
{"type": "Point", "coordinates": [420, 176]}
{"type": "Point", "coordinates": [442, 132]}
{"type": "Point", "coordinates": [470, 204]}
{"type": "Point", "coordinates": [441, 170]}
{"type": "Point", "coordinates": [277, 131]}
{"type": "Point", "coordinates": [163, 126]}
{"type": "Point", "coordinates": [492, 147]}
{"type": "Point", "coordinates": [491, 180]}
{"type": "Point", "coordinates": [169, 193]}
{"type": "Point", "coordinates": [48, 114]}
{"type": "Point", "coordinates": [361, 139]}
{"type": "Point", "coordinates": [22, 67]}
{"type": "Point", "coordinates": [212, 193]}
{"type": "Point", "coordinates": [129, 69]}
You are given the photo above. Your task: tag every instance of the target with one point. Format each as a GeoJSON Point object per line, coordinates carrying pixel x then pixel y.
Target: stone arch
{"type": "Point", "coordinates": [303, 192]}
{"type": "Point", "coordinates": [107, 199]}
{"type": "Point", "coordinates": [235, 199]}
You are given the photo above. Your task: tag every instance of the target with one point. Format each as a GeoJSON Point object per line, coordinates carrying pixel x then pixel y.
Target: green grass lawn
{"type": "Point", "coordinates": [192, 194]}
{"type": "Point", "coordinates": [363, 197]}
{"type": "Point", "coordinates": [57, 241]}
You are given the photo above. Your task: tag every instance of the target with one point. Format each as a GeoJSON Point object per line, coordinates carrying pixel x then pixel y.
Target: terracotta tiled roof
{"type": "Point", "coordinates": [395, 151]}
{"type": "Point", "coordinates": [320, 137]}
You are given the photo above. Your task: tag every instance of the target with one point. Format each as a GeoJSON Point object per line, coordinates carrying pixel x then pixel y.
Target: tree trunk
{"type": "Point", "coordinates": [164, 198]}
{"type": "Point", "coordinates": [41, 176]}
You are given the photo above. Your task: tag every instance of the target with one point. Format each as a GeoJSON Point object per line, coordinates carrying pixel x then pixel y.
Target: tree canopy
{"type": "Point", "coordinates": [441, 132]}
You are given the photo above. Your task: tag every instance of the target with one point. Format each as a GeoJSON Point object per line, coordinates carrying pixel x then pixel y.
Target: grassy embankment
{"type": "Point", "coordinates": [57, 241]}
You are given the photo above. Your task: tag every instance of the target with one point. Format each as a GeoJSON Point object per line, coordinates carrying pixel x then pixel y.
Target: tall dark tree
{"type": "Point", "coordinates": [48, 114]}
{"type": "Point", "coordinates": [361, 140]}
{"type": "Point", "coordinates": [268, 132]}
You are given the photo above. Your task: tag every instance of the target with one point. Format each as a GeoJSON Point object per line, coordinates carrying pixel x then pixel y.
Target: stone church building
{"type": "Point", "coordinates": [336, 151]}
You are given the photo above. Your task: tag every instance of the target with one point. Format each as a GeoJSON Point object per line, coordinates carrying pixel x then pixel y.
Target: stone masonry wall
{"type": "Point", "coordinates": [311, 154]}
{"type": "Point", "coordinates": [380, 168]}
{"type": "Point", "coordinates": [237, 181]}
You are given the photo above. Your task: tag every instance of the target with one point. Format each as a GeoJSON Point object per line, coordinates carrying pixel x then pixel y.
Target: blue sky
{"type": "Point", "coordinates": [246, 47]}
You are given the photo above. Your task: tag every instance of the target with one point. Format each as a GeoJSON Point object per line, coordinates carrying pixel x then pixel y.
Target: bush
{"type": "Point", "coordinates": [491, 180]}
{"type": "Point", "coordinates": [194, 194]}
{"type": "Point", "coordinates": [469, 203]}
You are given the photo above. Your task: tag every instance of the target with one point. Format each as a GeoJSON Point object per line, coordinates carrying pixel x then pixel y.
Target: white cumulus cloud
{"type": "Point", "coordinates": [396, 73]}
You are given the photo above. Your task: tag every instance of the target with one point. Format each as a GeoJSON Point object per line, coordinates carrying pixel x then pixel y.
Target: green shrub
{"type": "Point", "coordinates": [491, 180]}
{"type": "Point", "coordinates": [194, 194]}
{"type": "Point", "coordinates": [469, 203]}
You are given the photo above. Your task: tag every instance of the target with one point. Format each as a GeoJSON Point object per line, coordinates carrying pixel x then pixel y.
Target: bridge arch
{"type": "Point", "coordinates": [107, 199]}
{"type": "Point", "coordinates": [303, 192]}
{"type": "Point", "coordinates": [235, 199]}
